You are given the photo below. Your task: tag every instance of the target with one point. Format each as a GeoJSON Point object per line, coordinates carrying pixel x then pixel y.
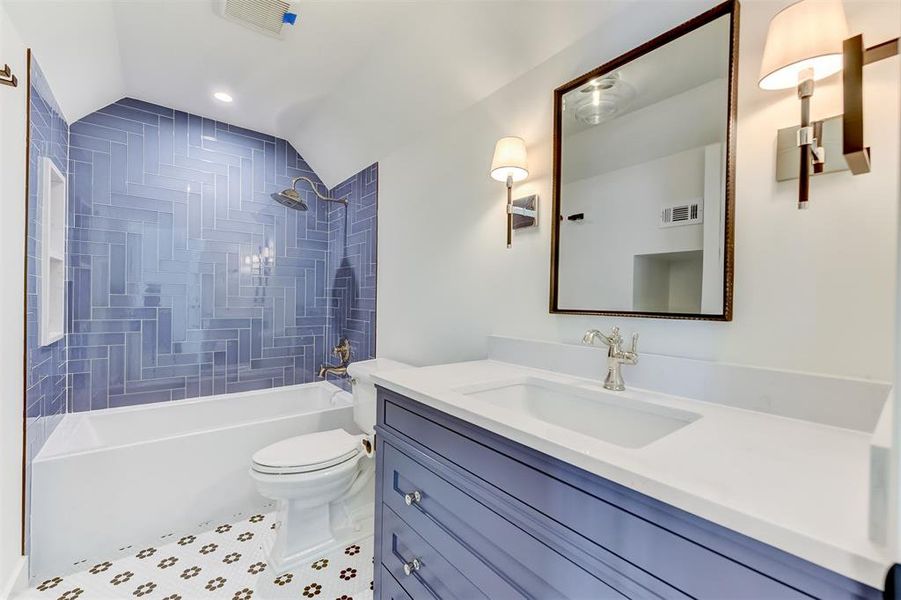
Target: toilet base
{"type": "Point", "coordinates": [315, 533]}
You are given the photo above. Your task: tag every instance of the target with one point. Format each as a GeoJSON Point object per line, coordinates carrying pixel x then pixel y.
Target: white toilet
{"type": "Point", "coordinates": [323, 480]}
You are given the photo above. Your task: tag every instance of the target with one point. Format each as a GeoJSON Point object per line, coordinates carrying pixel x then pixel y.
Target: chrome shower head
{"type": "Point", "coordinates": [290, 198]}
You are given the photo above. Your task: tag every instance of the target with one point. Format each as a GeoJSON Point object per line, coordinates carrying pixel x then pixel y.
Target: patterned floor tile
{"type": "Point", "coordinates": [224, 563]}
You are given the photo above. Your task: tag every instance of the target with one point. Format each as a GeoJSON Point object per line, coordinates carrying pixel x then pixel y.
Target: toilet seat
{"type": "Point", "coordinates": [307, 453]}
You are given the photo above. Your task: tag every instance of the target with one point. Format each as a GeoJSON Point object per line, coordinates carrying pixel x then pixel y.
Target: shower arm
{"type": "Point", "coordinates": [316, 190]}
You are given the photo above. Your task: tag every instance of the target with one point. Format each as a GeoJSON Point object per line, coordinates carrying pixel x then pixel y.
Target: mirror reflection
{"type": "Point", "coordinates": [642, 181]}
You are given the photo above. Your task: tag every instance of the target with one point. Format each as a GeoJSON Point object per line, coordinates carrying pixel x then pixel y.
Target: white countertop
{"type": "Point", "coordinates": [797, 485]}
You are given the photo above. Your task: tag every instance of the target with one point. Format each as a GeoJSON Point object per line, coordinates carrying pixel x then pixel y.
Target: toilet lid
{"type": "Point", "coordinates": [309, 452]}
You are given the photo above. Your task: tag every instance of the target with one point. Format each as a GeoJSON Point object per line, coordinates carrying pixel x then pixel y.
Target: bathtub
{"type": "Point", "coordinates": [107, 480]}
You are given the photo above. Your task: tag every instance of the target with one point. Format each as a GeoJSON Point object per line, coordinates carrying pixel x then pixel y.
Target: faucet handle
{"type": "Point", "coordinates": [634, 349]}
{"type": "Point", "coordinates": [615, 337]}
{"type": "Point", "coordinates": [342, 350]}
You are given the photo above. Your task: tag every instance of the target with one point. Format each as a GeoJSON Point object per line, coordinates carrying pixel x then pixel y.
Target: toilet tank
{"type": "Point", "coordinates": [364, 388]}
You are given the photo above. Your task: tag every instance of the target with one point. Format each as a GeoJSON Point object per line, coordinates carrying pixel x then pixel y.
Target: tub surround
{"type": "Point", "coordinates": [188, 279]}
{"type": "Point", "coordinates": [46, 367]}
{"type": "Point", "coordinates": [352, 263]}
{"type": "Point", "coordinates": [798, 485]}
{"type": "Point", "coordinates": [45, 394]}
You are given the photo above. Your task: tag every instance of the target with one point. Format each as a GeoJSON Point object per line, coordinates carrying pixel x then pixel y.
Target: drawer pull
{"type": "Point", "coordinates": [410, 567]}
{"type": "Point", "coordinates": [413, 497]}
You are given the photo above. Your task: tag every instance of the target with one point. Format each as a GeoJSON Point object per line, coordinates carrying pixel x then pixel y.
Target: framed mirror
{"type": "Point", "coordinates": [644, 177]}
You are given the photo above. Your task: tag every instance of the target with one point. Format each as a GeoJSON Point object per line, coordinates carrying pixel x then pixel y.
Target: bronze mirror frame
{"type": "Point", "coordinates": [729, 8]}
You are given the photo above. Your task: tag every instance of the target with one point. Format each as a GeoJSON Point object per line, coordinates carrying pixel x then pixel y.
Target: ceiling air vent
{"type": "Point", "coordinates": [689, 213]}
{"type": "Point", "coordinates": [263, 16]}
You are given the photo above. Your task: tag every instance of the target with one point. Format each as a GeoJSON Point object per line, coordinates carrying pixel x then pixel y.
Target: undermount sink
{"type": "Point", "coordinates": [603, 415]}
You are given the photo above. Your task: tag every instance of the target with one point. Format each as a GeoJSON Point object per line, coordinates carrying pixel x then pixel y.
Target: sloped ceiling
{"type": "Point", "coordinates": [346, 85]}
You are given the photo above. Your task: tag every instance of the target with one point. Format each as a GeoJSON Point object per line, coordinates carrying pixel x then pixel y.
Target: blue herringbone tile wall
{"type": "Point", "coordinates": [45, 371]}
{"type": "Point", "coordinates": [187, 278]}
{"type": "Point", "coordinates": [352, 263]}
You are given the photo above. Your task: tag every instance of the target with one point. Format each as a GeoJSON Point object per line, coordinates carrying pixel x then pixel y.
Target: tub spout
{"type": "Point", "coordinates": [325, 370]}
{"type": "Point", "coordinates": [342, 352]}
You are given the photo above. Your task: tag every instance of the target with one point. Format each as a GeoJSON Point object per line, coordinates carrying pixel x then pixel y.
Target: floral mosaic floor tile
{"type": "Point", "coordinates": [225, 563]}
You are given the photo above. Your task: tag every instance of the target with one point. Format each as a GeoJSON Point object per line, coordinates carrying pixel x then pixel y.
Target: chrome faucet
{"type": "Point", "coordinates": [616, 356]}
{"type": "Point", "coordinates": [342, 352]}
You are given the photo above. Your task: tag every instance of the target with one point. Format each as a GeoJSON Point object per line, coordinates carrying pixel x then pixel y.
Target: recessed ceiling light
{"type": "Point", "coordinates": [223, 97]}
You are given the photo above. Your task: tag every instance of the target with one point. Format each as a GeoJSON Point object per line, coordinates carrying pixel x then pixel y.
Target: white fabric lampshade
{"type": "Point", "coordinates": [804, 35]}
{"type": "Point", "coordinates": [509, 159]}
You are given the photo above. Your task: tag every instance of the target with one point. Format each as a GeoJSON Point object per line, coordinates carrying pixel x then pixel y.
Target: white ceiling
{"type": "Point", "coordinates": [681, 102]}
{"type": "Point", "coordinates": [350, 82]}
{"type": "Point", "coordinates": [683, 64]}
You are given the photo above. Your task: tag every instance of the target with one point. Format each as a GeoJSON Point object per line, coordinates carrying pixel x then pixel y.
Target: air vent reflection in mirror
{"type": "Point", "coordinates": [684, 213]}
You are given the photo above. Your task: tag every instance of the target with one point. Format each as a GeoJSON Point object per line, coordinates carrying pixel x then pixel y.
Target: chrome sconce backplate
{"type": "Point", "coordinates": [830, 141]}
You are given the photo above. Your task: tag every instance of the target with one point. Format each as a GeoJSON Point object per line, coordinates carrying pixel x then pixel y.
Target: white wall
{"type": "Point", "coordinates": [622, 216]}
{"type": "Point", "coordinates": [814, 290]}
{"type": "Point", "coordinates": [12, 248]}
{"type": "Point", "coordinates": [690, 119]}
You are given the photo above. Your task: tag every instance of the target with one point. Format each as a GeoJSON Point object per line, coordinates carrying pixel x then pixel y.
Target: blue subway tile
{"type": "Point", "coordinates": [100, 326]}
{"type": "Point", "coordinates": [147, 107]}
{"type": "Point", "coordinates": [86, 353]}
{"type": "Point", "coordinates": [112, 122]}
{"type": "Point", "coordinates": [87, 129]}
{"type": "Point", "coordinates": [117, 268]}
{"type": "Point", "coordinates": [96, 339]}
{"type": "Point", "coordinates": [139, 398]}
{"type": "Point", "coordinates": [118, 167]}
{"type": "Point", "coordinates": [99, 384]}
{"type": "Point", "coordinates": [116, 367]}
{"type": "Point", "coordinates": [154, 385]}
{"type": "Point", "coordinates": [119, 109]}
{"type": "Point", "coordinates": [100, 285]}
{"type": "Point", "coordinates": [135, 159]}
{"type": "Point", "coordinates": [90, 143]}
{"type": "Point", "coordinates": [81, 392]}
{"type": "Point", "coordinates": [251, 134]}
{"type": "Point", "coordinates": [133, 348]}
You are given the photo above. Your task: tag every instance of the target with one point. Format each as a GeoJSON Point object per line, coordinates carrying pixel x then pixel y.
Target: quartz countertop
{"type": "Point", "coordinates": [797, 485]}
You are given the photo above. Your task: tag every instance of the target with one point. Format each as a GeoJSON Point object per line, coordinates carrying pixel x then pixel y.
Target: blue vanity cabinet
{"type": "Point", "coordinates": [389, 589]}
{"type": "Point", "coordinates": [485, 517]}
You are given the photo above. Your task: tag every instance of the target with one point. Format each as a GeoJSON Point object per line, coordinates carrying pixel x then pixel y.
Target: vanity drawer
{"type": "Point", "coordinates": [590, 511]}
{"type": "Point", "coordinates": [389, 589]}
{"type": "Point", "coordinates": [435, 577]}
{"type": "Point", "coordinates": [501, 559]}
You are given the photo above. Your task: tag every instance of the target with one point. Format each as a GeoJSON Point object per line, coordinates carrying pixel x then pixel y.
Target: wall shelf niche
{"type": "Point", "coordinates": [53, 253]}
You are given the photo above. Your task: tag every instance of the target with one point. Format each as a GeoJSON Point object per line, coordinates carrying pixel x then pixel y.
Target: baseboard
{"type": "Point", "coordinates": [18, 580]}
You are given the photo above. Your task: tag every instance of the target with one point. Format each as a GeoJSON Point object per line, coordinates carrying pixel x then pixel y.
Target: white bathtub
{"type": "Point", "coordinates": [127, 476]}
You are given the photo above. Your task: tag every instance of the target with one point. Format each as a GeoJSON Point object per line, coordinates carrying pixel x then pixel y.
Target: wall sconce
{"type": "Point", "coordinates": [509, 165]}
{"type": "Point", "coordinates": [806, 42]}
{"type": "Point", "coordinates": [7, 77]}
